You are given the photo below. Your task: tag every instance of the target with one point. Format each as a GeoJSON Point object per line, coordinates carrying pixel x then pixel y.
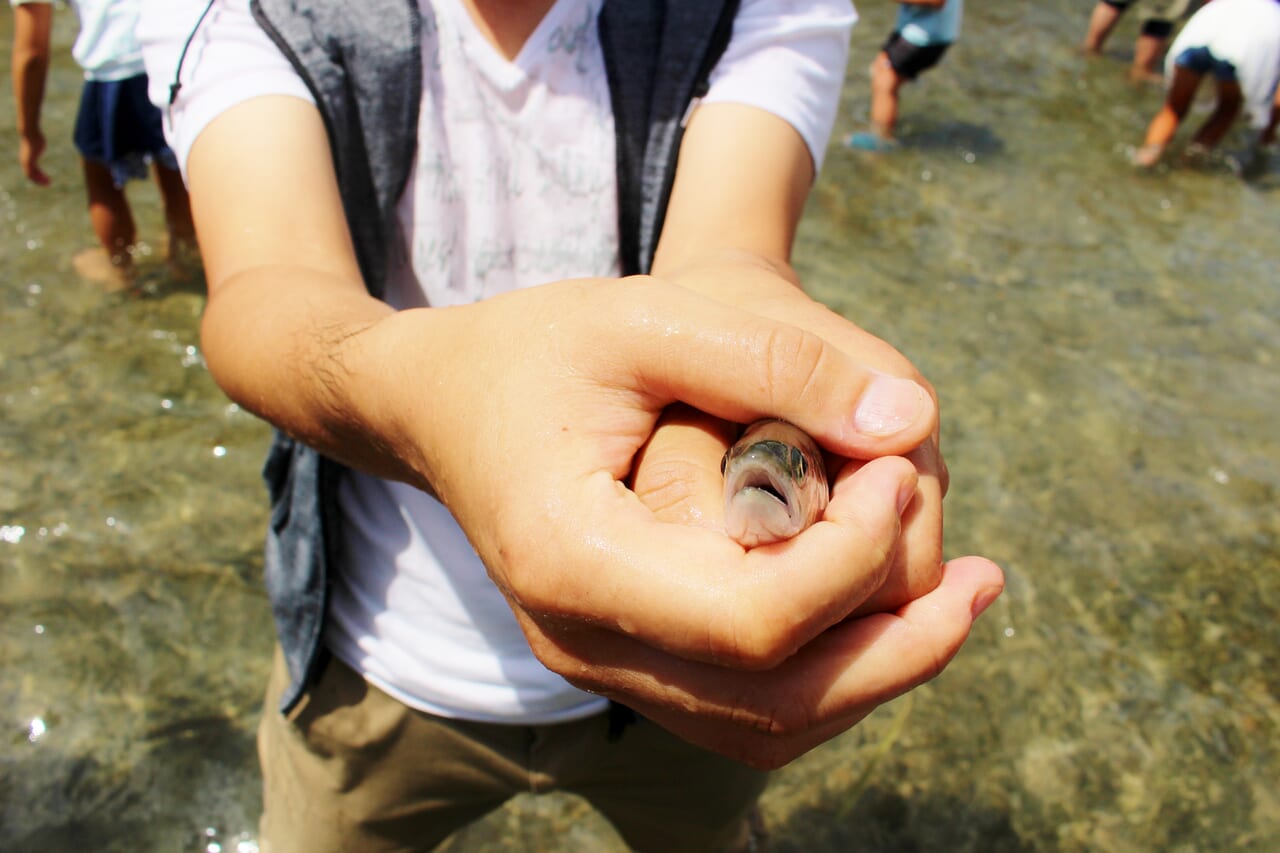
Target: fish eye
{"type": "Point", "coordinates": [798, 463]}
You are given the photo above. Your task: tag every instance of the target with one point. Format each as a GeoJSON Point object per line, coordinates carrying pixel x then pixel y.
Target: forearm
{"type": "Point", "coordinates": [29, 73]}
{"type": "Point", "coordinates": [311, 360]}
{"type": "Point", "coordinates": [29, 64]}
{"type": "Point", "coordinates": [290, 331]}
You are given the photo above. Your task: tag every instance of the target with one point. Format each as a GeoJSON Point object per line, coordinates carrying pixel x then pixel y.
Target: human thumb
{"type": "Point", "coordinates": [741, 366]}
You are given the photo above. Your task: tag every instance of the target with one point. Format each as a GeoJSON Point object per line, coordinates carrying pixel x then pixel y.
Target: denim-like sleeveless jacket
{"type": "Point", "coordinates": [361, 60]}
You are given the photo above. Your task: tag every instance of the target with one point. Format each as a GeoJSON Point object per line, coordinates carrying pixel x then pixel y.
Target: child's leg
{"type": "Point", "coordinates": [1225, 111]}
{"type": "Point", "coordinates": [1102, 21]}
{"type": "Point", "coordinates": [177, 210]}
{"type": "Point", "coordinates": [110, 215]}
{"type": "Point", "coordinates": [1149, 49]}
{"type": "Point", "coordinates": [1163, 127]}
{"type": "Point", "coordinates": [885, 83]}
{"type": "Point", "coordinates": [1147, 52]}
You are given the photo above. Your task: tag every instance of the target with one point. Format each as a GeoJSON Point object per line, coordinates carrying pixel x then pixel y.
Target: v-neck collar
{"type": "Point", "coordinates": [507, 73]}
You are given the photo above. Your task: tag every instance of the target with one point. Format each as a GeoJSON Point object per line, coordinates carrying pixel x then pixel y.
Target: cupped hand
{"type": "Point", "coordinates": [678, 473]}
{"type": "Point", "coordinates": [827, 687]}
{"type": "Point", "coordinates": [528, 412]}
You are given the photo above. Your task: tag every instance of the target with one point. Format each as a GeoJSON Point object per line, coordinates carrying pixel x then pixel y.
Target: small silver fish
{"type": "Point", "coordinates": [775, 483]}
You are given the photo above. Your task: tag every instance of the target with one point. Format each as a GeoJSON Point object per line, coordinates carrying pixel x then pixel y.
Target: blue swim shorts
{"type": "Point", "coordinates": [120, 128]}
{"type": "Point", "coordinates": [1202, 61]}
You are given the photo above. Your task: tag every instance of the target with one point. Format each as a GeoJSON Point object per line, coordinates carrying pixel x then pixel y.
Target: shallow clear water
{"type": "Point", "coordinates": [1104, 344]}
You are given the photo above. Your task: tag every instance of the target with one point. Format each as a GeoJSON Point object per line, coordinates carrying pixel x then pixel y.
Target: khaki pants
{"type": "Point", "coordinates": [351, 769]}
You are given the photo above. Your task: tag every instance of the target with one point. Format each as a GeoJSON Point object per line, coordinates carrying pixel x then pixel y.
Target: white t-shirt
{"type": "Point", "coordinates": [1245, 33]}
{"type": "Point", "coordinates": [513, 185]}
{"type": "Point", "coordinates": [106, 47]}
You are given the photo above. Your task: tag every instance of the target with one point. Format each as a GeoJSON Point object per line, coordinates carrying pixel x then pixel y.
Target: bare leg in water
{"type": "Point", "coordinates": [1148, 50]}
{"type": "Point", "coordinates": [114, 227]}
{"type": "Point", "coordinates": [113, 224]}
{"type": "Point", "coordinates": [885, 83]}
{"type": "Point", "coordinates": [1101, 22]}
{"type": "Point", "coordinates": [183, 251]}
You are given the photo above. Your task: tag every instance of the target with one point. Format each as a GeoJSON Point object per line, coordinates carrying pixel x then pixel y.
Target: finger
{"type": "Point", "coordinates": [856, 543]}
{"type": "Point", "coordinates": [929, 462]}
{"type": "Point", "coordinates": [917, 562]}
{"type": "Point", "coordinates": [677, 473]}
{"type": "Point", "coordinates": [760, 289]}
{"type": "Point", "coordinates": [716, 602]}
{"type": "Point", "coordinates": [761, 750]}
{"type": "Point", "coordinates": [887, 654]}
{"type": "Point", "coordinates": [741, 366]}
{"type": "Point", "coordinates": [769, 717]}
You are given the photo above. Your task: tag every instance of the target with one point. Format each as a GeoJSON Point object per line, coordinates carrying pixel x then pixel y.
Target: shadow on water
{"type": "Point", "coordinates": [930, 135]}
{"type": "Point", "coordinates": [80, 802]}
{"type": "Point", "coordinates": [885, 821]}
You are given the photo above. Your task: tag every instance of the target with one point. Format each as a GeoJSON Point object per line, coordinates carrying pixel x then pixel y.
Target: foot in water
{"type": "Point", "coordinates": [1141, 76]}
{"type": "Point", "coordinates": [863, 141]}
{"type": "Point", "coordinates": [96, 265]}
{"type": "Point", "coordinates": [183, 255]}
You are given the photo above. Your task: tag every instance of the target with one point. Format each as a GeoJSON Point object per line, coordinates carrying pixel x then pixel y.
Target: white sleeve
{"type": "Point", "coordinates": [788, 57]}
{"type": "Point", "coordinates": [229, 60]}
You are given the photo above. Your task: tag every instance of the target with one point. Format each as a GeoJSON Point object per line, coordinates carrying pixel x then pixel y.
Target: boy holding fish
{"type": "Point", "coordinates": [505, 340]}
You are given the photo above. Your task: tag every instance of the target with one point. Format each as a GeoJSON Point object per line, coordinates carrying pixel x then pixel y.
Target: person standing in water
{"type": "Point", "coordinates": [1238, 43]}
{"type": "Point", "coordinates": [925, 30]}
{"type": "Point", "coordinates": [118, 131]}
{"type": "Point", "coordinates": [453, 257]}
{"type": "Point", "coordinates": [1158, 20]}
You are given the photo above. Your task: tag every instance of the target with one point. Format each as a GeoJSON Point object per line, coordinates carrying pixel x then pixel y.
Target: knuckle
{"type": "Point", "coordinates": [751, 641]}
{"type": "Point", "coordinates": [789, 719]}
{"type": "Point", "coordinates": [538, 589]}
{"type": "Point", "coordinates": [794, 361]}
{"type": "Point", "coordinates": [549, 654]}
{"type": "Point", "coordinates": [874, 547]}
{"type": "Point", "coordinates": [935, 663]}
{"type": "Point", "coordinates": [762, 724]}
{"type": "Point", "coordinates": [933, 655]}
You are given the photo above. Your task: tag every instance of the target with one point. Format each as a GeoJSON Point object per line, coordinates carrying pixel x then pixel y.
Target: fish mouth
{"type": "Point", "coordinates": [761, 508]}
{"type": "Point", "coordinates": [758, 478]}
{"type": "Point", "coordinates": [767, 484]}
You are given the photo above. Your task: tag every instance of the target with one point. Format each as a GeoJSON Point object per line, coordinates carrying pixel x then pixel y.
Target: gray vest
{"type": "Point", "coordinates": [361, 60]}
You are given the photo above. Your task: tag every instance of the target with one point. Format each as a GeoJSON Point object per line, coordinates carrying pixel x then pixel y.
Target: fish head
{"type": "Point", "coordinates": [775, 484]}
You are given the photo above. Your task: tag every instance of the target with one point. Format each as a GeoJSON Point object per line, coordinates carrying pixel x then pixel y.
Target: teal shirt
{"type": "Point", "coordinates": [923, 26]}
